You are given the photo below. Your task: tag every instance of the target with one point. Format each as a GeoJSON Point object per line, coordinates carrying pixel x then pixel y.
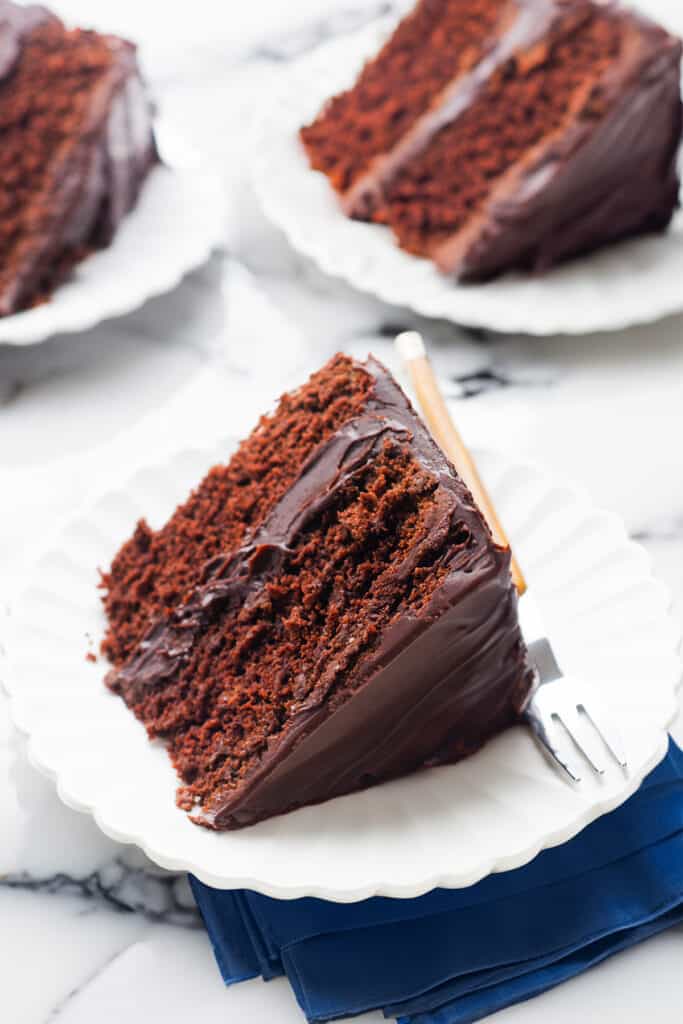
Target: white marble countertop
{"type": "Point", "coordinates": [91, 931]}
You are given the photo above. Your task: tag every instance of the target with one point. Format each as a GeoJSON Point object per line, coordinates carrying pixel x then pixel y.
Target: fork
{"type": "Point", "coordinates": [557, 704]}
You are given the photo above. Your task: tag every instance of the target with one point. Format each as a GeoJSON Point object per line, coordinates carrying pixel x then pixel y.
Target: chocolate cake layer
{"type": "Point", "coordinates": [366, 627]}
{"type": "Point", "coordinates": [77, 145]}
{"type": "Point", "coordinates": [557, 134]}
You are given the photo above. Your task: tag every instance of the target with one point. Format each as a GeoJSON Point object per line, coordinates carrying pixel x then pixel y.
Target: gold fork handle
{"type": "Point", "coordinates": [445, 433]}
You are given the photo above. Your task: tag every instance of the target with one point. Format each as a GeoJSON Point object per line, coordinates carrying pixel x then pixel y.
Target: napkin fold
{"type": "Point", "coordinates": [456, 955]}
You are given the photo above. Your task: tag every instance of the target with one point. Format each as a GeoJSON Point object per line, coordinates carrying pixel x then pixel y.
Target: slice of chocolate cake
{"type": "Point", "coordinates": [327, 611]}
{"type": "Point", "coordinates": [499, 134]}
{"type": "Point", "coordinates": [77, 144]}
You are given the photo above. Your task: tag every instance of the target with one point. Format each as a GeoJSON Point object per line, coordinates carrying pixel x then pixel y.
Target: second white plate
{"type": "Point", "coordinates": [626, 284]}
{"type": "Point", "coordinates": [444, 827]}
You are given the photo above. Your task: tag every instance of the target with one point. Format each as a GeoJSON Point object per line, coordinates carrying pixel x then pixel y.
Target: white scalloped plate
{"type": "Point", "coordinates": [448, 826]}
{"type": "Point", "coordinates": [176, 223]}
{"type": "Point", "coordinates": [634, 282]}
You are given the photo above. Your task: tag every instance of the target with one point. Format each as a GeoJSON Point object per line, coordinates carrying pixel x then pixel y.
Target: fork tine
{"type": "Point", "coordinates": [582, 737]}
{"type": "Point", "coordinates": [567, 764]}
{"type": "Point", "coordinates": [607, 732]}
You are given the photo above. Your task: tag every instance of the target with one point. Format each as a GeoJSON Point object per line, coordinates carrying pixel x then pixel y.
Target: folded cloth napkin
{"type": "Point", "coordinates": [456, 955]}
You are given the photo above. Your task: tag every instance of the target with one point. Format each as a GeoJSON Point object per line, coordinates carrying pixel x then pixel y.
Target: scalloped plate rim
{"type": "Point", "coordinates": [411, 890]}
{"type": "Point", "coordinates": [374, 886]}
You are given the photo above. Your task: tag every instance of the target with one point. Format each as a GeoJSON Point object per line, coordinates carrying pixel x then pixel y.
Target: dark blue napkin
{"type": "Point", "coordinates": [456, 955]}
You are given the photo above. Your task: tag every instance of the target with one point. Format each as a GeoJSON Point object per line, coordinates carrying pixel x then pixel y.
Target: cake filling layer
{"type": "Point", "coordinates": [526, 101]}
{"type": "Point", "coordinates": [396, 89]}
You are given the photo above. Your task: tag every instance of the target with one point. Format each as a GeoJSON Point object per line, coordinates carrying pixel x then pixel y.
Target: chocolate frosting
{"type": "Point", "coordinates": [442, 679]}
{"type": "Point", "coordinates": [94, 182]}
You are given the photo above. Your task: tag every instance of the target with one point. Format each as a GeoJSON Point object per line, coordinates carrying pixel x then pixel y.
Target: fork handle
{"type": "Point", "coordinates": [445, 433]}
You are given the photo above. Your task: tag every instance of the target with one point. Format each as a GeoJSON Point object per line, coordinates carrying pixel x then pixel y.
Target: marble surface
{"type": "Point", "coordinates": [91, 931]}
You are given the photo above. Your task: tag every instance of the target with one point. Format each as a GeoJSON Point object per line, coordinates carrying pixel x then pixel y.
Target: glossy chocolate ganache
{"type": "Point", "coordinates": [365, 628]}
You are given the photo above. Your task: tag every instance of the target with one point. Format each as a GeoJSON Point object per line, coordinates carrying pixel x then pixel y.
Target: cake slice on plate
{"type": "Point", "coordinates": [77, 144]}
{"type": "Point", "coordinates": [499, 134]}
{"type": "Point", "coordinates": [326, 611]}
